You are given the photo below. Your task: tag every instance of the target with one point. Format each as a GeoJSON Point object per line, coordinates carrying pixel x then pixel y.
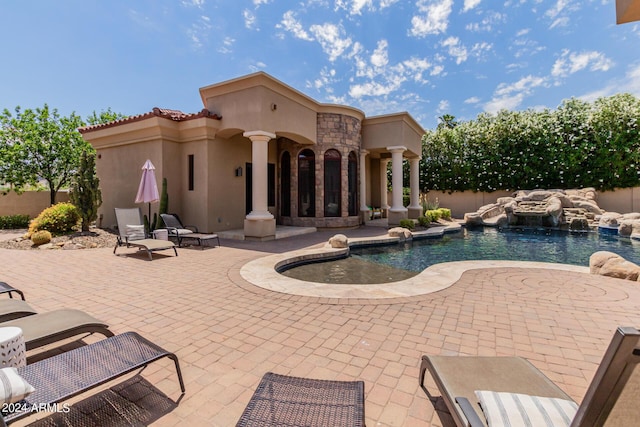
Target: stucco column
{"type": "Point", "coordinates": [384, 205]}
{"type": "Point", "coordinates": [397, 211]}
{"type": "Point", "coordinates": [415, 210]}
{"type": "Point", "coordinates": [260, 223]}
{"type": "Point", "coordinates": [364, 209]}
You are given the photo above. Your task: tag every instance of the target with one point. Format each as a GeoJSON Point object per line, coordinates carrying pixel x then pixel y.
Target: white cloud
{"type": "Point", "coordinates": [523, 32]}
{"type": "Point", "coordinates": [456, 49]}
{"type": "Point", "coordinates": [291, 24]}
{"type": "Point", "coordinates": [332, 39]}
{"type": "Point", "coordinates": [472, 100]}
{"type": "Point", "coordinates": [257, 3]}
{"type": "Point", "coordinates": [193, 3]}
{"type": "Point", "coordinates": [380, 56]}
{"type": "Point", "coordinates": [470, 4]}
{"type": "Point", "coordinates": [227, 44]}
{"type": "Point", "coordinates": [199, 31]}
{"type": "Point", "coordinates": [480, 49]}
{"type": "Point", "coordinates": [510, 96]}
{"type": "Point", "coordinates": [376, 88]}
{"type": "Point", "coordinates": [354, 6]}
{"type": "Point", "coordinates": [443, 106]}
{"type": "Point", "coordinates": [629, 84]}
{"type": "Point", "coordinates": [437, 70]}
{"type": "Point", "coordinates": [572, 62]}
{"type": "Point", "coordinates": [488, 23]}
{"type": "Point", "coordinates": [433, 17]}
{"type": "Point", "coordinates": [249, 18]}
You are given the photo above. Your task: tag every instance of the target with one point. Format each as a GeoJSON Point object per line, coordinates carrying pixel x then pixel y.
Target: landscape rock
{"type": "Point", "coordinates": [400, 232]}
{"type": "Point", "coordinates": [339, 241]}
{"type": "Point", "coordinates": [609, 264]}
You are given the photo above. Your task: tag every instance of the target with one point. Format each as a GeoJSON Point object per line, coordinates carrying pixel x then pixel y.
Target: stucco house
{"type": "Point", "coordinates": [261, 153]}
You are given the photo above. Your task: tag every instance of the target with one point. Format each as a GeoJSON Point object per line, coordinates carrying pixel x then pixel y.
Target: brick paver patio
{"type": "Point", "coordinates": [228, 333]}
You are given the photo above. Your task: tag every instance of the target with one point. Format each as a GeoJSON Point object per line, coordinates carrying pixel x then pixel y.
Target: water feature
{"type": "Point", "coordinates": [483, 243]}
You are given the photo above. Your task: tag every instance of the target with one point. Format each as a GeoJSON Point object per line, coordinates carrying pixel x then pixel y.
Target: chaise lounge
{"type": "Point", "coordinates": [40, 329]}
{"type": "Point", "coordinates": [69, 374]}
{"type": "Point", "coordinates": [496, 391]}
{"type": "Point", "coordinates": [180, 232]}
{"type": "Point", "coordinates": [131, 232]}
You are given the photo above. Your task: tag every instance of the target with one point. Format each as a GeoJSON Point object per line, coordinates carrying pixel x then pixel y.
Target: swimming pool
{"type": "Point", "coordinates": [376, 264]}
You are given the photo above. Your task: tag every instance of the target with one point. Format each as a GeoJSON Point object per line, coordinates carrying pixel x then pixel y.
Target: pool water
{"type": "Point", "coordinates": [521, 244]}
{"type": "Point", "coordinates": [390, 263]}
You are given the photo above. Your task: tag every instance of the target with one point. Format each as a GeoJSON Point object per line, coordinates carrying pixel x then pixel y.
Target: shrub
{"type": "Point", "coordinates": [433, 215]}
{"type": "Point", "coordinates": [41, 237]}
{"type": "Point", "coordinates": [57, 219]}
{"type": "Point", "coordinates": [9, 222]}
{"type": "Point", "coordinates": [423, 221]}
{"type": "Point", "coordinates": [445, 213]}
{"type": "Point", "coordinates": [408, 224]}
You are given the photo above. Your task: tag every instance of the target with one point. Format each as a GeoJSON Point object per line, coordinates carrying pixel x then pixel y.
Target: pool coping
{"type": "Point", "coordinates": [262, 272]}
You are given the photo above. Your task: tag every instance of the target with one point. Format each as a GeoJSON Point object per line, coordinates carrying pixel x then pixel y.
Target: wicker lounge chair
{"type": "Point", "coordinates": [281, 400]}
{"type": "Point", "coordinates": [69, 374]}
{"type": "Point", "coordinates": [612, 395]}
{"type": "Point", "coordinates": [131, 233]}
{"type": "Point", "coordinates": [180, 232]}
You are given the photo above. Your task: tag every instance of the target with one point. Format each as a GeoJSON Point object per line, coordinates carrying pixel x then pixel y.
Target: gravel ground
{"type": "Point", "coordinates": [94, 238]}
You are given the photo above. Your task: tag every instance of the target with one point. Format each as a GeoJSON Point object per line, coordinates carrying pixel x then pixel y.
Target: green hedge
{"type": "Point", "coordinates": [11, 222]}
{"type": "Point", "coordinates": [578, 145]}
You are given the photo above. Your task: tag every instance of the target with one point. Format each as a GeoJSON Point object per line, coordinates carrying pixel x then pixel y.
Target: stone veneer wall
{"type": "Point", "coordinates": [338, 132]}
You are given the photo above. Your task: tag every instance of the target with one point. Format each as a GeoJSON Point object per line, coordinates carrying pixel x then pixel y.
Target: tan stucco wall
{"type": "Point", "coordinates": [381, 132]}
{"type": "Point", "coordinates": [28, 203]}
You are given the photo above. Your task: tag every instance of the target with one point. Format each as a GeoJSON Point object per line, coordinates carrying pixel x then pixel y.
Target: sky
{"type": "Point", "coordinates": [426, 57]}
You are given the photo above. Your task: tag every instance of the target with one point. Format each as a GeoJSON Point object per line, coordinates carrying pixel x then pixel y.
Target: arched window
{"type": "Point", "coordinates": [332, 181]}
{"type": "Point", "coordinates": [285, 184]}
{"type": "Point", "coordinates": [306, 183]}
{"type": "Point", "coordinates": [353, 184]}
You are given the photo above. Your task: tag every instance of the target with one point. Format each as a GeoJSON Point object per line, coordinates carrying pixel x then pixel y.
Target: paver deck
{"type": "Point", "coordinates": [227, 332]}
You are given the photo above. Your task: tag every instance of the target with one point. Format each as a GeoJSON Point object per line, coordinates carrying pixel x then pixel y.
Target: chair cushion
{"type": "Point", "coordinates": [180, 231]}
{"type": "Point", "coordinates": [13, 387]}
{"type": "Point", "coordinates": [514, 409]}
{"type": "Point", "coordinates": [135, 232]}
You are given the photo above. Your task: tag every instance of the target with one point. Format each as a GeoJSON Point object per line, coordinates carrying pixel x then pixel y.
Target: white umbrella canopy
{"type": "Point", "coordinates": [148, 189]}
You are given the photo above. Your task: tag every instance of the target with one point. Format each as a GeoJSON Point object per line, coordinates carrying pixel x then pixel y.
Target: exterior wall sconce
{"type": "Point", "coordinates": [239, 171]}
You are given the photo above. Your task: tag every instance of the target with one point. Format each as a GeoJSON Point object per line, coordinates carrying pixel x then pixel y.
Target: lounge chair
{"type": "Point", "coordinates": [281, 400]}
{"type": "Point", "coordinates": [14, 309]}
{"type": "Point", "coordinates": [612, 395]}
{"type": "Point", "coordinates": [63, 376]}
{"type": "Point", "coordinates": [131, 232]}
{"type": "Point", "coordinates": [46, 328]}
{"type": "Point", "coordinates": [5, 288]}
{"type": "Point", "coordinates": [180, 232]}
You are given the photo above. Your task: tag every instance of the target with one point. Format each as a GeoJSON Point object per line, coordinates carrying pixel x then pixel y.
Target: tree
{"type": "Point", "coordinates": [447, 121]}
{"type": "Point", "coordinates": [85, 190]}
{"type": "Point", "coordinates": [40, 145]}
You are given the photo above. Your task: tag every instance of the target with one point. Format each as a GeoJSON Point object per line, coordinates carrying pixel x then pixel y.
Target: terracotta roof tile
{"type": "Point", "coordinates": [175, 115]}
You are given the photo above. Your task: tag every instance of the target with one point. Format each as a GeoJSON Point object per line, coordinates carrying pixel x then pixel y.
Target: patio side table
{"type": "Point", "coordinates": [12, 348]}
{"type": "Point", "coordinates": [282, 400]}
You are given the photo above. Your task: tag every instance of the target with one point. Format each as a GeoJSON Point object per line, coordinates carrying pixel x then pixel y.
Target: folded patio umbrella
{"type": "Point", "coordinates": [148, 189]}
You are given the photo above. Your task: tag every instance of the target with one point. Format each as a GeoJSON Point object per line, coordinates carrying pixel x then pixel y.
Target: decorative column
{"type": "Point", "coordinates": [260, 223]}
{"type": "Point", "coordinates": [397, 211]}
{"type": "Point", "coordinates": [415, 210]}
{"type": "Point", "coordinates": [364, 209]}
{"type": "Point", "coordinates": [384, 205]}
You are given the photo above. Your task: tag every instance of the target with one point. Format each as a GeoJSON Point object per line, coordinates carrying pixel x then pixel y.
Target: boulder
{"type": "Point", "coordinates": [610, 264]}
{"type": "Point", "coordinates": [339, 241]}
{"type": "Point", "coordinates": [609, 219]}
{"type": "Point", "coordinates": [628, 227]}
{"type": "Point", "coordinates": [579, 224]}
{"type": "Point", "coordinates": [588, 206]}
{"type": "Point", "coordinates": [400, 232]}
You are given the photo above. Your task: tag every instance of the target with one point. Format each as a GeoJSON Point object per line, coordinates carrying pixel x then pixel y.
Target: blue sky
{"type": "Point", "coordinates": [427, 57]}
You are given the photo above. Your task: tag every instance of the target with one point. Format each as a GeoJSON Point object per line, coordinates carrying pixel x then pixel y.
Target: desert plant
{"type": "Point", "coordinates": [433, 215]}
{"type": "Point", "coordinates": [57, 219]}
{"type": "Point", "coordinates": [9, 222]}
{"type": "Point", "coordinates": [85, 190]}
{"type": "Point", "coordinates": [41, 237]}
{"type": "Point", "coordinates": [423, 221]}
{"type": "Point", "coordinates": [408, 224]}
{"type": "Point", "coordinates": [445, 213]}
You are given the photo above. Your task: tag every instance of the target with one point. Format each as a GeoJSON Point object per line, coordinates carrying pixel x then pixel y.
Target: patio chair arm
{"type": "Point", "coordinates": [471, 415]}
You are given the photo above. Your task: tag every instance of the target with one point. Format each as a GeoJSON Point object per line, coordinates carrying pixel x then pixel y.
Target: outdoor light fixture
{"type": "Point", "coordinates": [239, 171]}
